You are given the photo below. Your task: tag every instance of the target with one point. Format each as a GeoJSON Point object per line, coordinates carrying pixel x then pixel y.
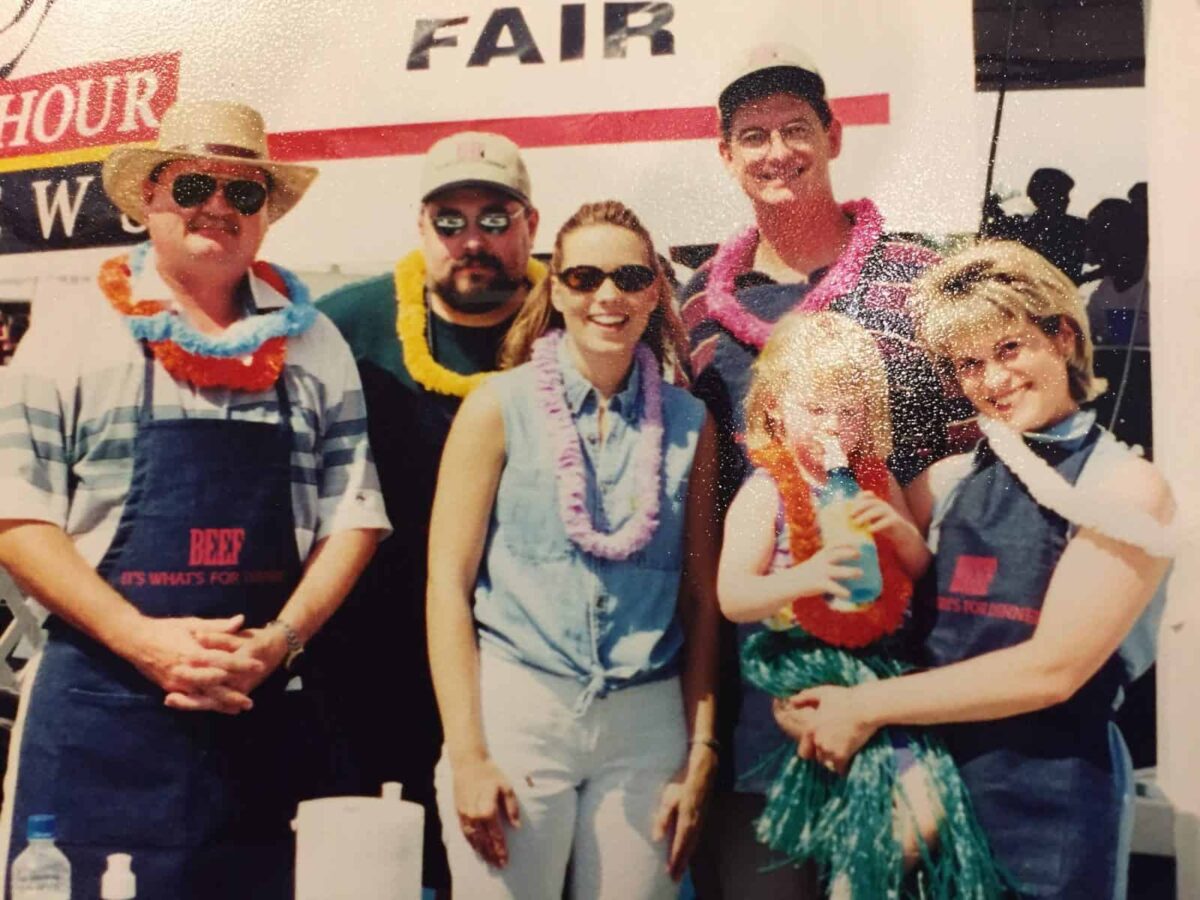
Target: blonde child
{"type": "Point", "coordinates": [818, 400]}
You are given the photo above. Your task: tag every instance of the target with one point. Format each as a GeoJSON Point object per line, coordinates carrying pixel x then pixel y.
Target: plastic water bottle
{"type": "Point", "coordinates": [41, 872]}
{"type": "Point", "coordinates": [833, 516]}
{"type": "Point", "coordinates": [118, 881]}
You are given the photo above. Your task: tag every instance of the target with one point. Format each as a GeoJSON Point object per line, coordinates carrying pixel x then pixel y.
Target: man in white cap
{"type": "Point", "coordinates": [423, 337]}
{"type": "Point", "coordinates": [187, 487]}
{"type": "Point", "coordinates": [779, 137]}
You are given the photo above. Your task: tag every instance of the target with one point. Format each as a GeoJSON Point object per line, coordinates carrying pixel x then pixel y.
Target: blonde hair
{"type": "Point", "coordinates": [664, 332]}
{"type": "Point", "coordinates": [823, 354]}
{"type": "Point", "coordinates": [998, 283]}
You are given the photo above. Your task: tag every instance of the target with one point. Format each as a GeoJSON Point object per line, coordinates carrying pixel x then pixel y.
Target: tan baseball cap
{"type": "Point", "coordinates": [767, 69]}
{"type": "Point", "coordinates": [475, 159]}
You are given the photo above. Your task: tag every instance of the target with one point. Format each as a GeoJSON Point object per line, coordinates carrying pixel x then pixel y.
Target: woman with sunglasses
{"type": "Point", "coordinates": [572, 613]}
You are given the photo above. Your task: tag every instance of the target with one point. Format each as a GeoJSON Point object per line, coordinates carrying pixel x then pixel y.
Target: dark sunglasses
{"type": "Point", "coordinates": [497, 221]}
{"type": "Point", "coordinates": [193, 188]}
{"type": "Point", "coordinates": [629, 279]}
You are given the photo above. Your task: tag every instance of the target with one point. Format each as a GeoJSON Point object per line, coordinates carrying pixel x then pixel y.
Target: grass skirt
{"type": "Point", "coordinates": [845, 823]}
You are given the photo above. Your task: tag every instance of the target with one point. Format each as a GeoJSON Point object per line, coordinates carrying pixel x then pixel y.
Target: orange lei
{"type": "Point", "coordinates": [841, 629]}
{"type": "Point", "coordinates": [257, 373]}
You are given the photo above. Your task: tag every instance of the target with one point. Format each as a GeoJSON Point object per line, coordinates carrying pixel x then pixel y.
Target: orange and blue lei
{"type": "Point", "coordinates": [248, 356]}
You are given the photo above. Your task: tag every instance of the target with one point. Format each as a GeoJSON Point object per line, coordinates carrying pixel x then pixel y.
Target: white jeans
{"type": "Point", "coordinates": [587, 786]}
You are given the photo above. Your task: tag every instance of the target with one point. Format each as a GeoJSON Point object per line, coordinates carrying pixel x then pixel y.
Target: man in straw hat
{"type": "Point", "coordinates": [187, 487]}
{"type": "Point", "coordinates": [779, 139]}
{"type": "Point", "coordinates": [423, 336]}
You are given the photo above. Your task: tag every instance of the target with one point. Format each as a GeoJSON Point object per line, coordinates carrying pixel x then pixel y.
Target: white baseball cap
{"type": "Point", "coordinates": [767, 69]}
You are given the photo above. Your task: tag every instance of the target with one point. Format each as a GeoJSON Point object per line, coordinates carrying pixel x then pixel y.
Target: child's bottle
{"type": "Point", "coordinates": [41, 872]}
{"type": "Point", "coordinates": [833, 516]}
{"type": "Point", "coordinates": [118, 881]}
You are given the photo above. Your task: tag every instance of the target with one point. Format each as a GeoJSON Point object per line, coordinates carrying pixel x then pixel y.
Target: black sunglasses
{"type": "Point", "coordinates": [193, 188]}
{"type": "Point", "coordinates": [449, 223]}
{"type": "Point", "coordinates": [629, 279]}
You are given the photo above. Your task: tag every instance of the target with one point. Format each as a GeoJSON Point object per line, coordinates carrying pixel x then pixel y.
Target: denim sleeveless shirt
{"type": "Point", "coordinates": [539, 599]}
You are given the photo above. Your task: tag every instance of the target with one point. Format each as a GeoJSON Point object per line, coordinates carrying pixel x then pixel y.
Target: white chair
{"type": "Point", "coordinates": [23, 631]}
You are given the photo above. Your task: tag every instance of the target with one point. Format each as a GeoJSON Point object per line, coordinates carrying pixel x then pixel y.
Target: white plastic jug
{"type": "Point", "coordinates": [359, 848]}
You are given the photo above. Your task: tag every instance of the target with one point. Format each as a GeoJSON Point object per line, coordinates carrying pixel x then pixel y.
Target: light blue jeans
{"type": "Point", "coordinates": [588, 784]}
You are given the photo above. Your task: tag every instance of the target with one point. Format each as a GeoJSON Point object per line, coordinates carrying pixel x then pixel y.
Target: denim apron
{"type": "Point", "coordinates": [202, 800]}
{"type": "Point", "coordinates": [1048, 785]}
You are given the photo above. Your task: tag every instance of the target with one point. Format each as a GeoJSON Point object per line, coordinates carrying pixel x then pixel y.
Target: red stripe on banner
{"type": "Point", "coordinates": [571, 130]}
{"type": "Point", "coordinates": [868, 109]}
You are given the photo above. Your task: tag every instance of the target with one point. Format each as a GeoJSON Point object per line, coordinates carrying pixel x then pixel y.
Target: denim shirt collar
{"type": "Point", "coordinates": [582, 396]}
{"type": "Point", "coordinates": [1073, 429]}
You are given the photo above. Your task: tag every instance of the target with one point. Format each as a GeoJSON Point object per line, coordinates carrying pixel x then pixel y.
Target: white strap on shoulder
{"type": "Point", "coordinates": [1087, 509]}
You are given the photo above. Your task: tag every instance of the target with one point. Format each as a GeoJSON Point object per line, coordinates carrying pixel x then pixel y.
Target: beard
{"type": "Point", "coordinates": [481, 296]}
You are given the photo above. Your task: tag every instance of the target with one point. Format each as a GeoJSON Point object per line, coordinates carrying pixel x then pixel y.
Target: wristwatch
{"type": "Point", "coordinates": [295, 647]}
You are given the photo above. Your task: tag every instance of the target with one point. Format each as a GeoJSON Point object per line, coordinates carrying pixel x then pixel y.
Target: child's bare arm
{"type": "Point", "coordinates": [746, 590]}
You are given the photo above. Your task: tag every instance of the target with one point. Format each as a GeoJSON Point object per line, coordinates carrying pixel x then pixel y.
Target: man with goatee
{"type": "Point", "coordinates": [423, 336]}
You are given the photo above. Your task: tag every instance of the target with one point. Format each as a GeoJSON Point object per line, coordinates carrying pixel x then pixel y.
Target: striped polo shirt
{"type": "Point", "coordinates": [69, 405]}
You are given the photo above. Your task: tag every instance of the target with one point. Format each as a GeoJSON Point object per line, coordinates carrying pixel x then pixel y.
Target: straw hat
{"type": "Point", "coordinates": [208, 130]}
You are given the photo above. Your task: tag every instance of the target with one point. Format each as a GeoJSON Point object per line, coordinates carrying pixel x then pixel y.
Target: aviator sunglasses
{"type": "Point", "coordinates": [450, 223]}
{"type": "Point", "coordinates": [193, 188]}
{"type": "Point", "coordinates": [629, 279]}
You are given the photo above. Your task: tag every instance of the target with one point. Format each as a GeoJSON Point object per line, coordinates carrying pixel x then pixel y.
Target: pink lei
{"type": "Point", "coordinates": [736, 256]}
{"type": "Point", "coordinates": [568, 455]}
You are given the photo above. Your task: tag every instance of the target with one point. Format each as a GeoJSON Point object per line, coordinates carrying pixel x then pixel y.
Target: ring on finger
{"type": "Point", "coordinates": [829, 764]}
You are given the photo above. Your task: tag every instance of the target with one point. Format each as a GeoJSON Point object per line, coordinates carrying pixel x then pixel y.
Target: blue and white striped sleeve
{"type": "Point", "coordinates": [349, 491]}
{"type": "Point", "coordinates": [33, 443]}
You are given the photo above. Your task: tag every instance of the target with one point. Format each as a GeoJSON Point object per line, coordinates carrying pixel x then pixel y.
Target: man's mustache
{"type": "Point", "coordinates": [226, 224]}
{"type": "Point", "coordinates": [480, 259]}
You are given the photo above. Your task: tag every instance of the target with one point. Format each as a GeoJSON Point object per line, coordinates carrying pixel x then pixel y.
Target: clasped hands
{"type": "Point", "coordinates": [205, 665]}
{"type": "Point", "coordinates": [827, 725]}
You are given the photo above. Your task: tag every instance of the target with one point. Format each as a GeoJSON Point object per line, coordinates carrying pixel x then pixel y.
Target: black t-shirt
{"type": "Point", "coordinates": [375, 645]}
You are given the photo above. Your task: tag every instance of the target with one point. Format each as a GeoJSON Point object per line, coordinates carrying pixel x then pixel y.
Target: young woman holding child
{"type": "Point", "coordinates": [572, 612]}
{"type": "Point", "coordinates": [1051, 541]}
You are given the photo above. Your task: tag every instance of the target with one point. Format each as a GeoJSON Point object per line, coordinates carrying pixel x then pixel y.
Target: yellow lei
{"type": "Point", "coordinates": [410, 326]}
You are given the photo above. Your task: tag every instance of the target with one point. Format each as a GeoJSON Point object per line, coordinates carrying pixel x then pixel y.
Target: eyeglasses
{"type": "Point", "coordinates": [629, 279]}
{"type": "Point", "coordinates": [449, 223]}
{"type": "Point", "coordinates": [193, 188]}
{"type": "Point", "coordinates": [795, 136]}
